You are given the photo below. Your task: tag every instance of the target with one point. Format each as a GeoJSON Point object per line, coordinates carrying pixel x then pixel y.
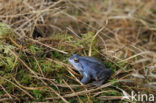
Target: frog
{"type": "Point", "coordinates": [91, 68]}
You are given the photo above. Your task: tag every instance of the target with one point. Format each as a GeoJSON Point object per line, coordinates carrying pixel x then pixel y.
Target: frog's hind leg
{"type": "Point", "coordinates": [86, 78]}
{"type": "Point", "coordinates": [100, 82]}
{"type": "Point", "coordinates": [106, 74]}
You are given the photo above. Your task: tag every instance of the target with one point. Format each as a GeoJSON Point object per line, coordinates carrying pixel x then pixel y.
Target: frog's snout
{"type": "Point", "coordinates": [70, 59]}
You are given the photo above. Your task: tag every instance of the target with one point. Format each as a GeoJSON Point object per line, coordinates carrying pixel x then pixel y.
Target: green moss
{"type": "Point", "coordinates": [34, 49]}
{"type": "Point", "coordinates": [36, 58]}
{"type": "Point", "coordinates": [5, 30]}
{"type": "Point", "coordinates": [2, 92]}
{"type": "Point", "coordinates": [7, 59]}
{"type": "Point", "coordinates": [39, 94]}
{"type": "Point", "coordinates": [26, 79]}
{"type": "Point", "coordinates": [10, 87]}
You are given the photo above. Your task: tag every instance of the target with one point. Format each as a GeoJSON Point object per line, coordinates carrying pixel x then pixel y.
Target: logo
{"type": "Point", "coordinates": [142, 97]}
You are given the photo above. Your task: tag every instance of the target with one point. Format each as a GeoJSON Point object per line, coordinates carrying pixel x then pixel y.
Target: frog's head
{"type": "Point", "coordinates": [75, 61]}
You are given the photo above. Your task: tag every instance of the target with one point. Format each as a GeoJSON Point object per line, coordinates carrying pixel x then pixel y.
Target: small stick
{"type": "Point", "coordinates": [19, 46]}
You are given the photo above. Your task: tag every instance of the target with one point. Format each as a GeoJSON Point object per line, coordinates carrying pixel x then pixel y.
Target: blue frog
{"type": "Point", "coordinates": [91, 69]}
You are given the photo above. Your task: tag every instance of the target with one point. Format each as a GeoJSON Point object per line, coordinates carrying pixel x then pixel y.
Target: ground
{"type": "Point", "coordinates": [38, 36]}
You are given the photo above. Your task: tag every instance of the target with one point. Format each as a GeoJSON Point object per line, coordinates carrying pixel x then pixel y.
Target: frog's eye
{"type": "Point", "coordinates": [76, 60]}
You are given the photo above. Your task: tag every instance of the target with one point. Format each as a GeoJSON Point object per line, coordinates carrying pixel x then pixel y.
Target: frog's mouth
{"type": "Point", "coordinates": [70, 60]}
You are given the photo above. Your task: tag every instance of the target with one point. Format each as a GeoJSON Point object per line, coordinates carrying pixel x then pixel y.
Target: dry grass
{"type": "Point", "coordinates": [49, 31]}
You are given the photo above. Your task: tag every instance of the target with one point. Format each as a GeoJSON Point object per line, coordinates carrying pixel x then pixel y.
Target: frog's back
{"type": "Point", "coordinates": [92, 66]}
{"type": "Point", "coordinates": [92, 60]}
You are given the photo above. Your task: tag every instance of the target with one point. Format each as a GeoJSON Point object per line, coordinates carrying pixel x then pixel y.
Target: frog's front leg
{"type": "Point", "coordinates": [86, 78]}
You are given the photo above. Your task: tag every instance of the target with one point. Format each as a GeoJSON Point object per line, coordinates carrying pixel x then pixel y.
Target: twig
{"type": "Point", "coordinates": [48, 46]}
{"type": "Point", "coordinates": [19, 46]}
{"type": "Point", "coordinates": [6, 92]}
{"type": "Point", "coordinates": [38, 78]}
{"type": "Point", "coordinates": [18, 87]}
{"type": "Point", "coordinates": [39, 67]}
{"type": "Point", "coordinates": [72, 91]}
{"type": "Point", "coordinates": [90, 48]}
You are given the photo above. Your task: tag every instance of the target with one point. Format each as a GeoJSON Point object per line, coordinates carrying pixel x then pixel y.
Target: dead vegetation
{"type": "Point", "coordinates": [122, 32]}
